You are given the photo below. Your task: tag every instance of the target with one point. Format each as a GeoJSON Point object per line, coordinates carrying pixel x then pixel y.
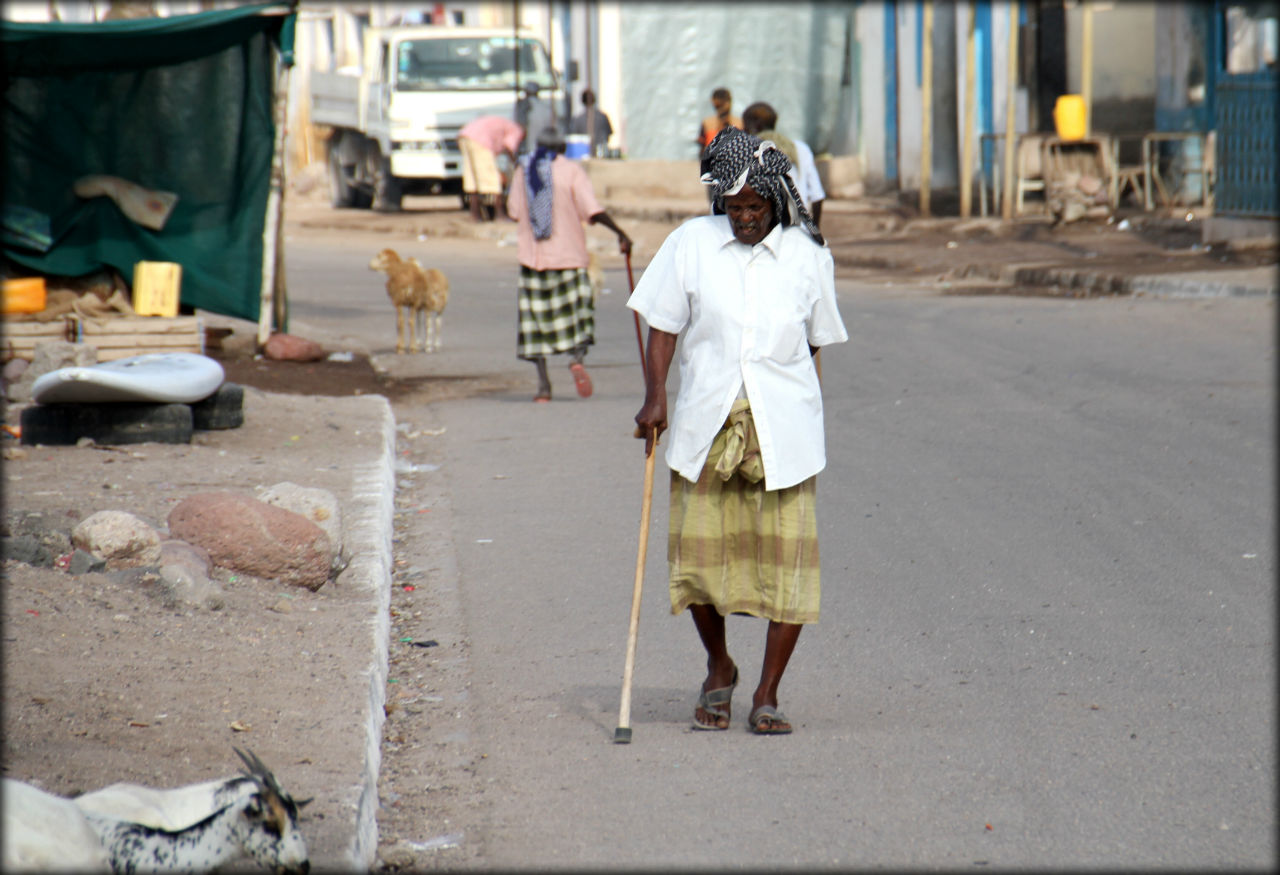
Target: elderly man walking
{"type": "Point", "coordinates": [752, 289]}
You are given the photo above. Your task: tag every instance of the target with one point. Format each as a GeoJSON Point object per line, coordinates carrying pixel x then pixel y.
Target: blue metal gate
{"type": "Point", "coordinates": [1247, 147]}
{"type": "Point", "coordinates": [1245, 117]}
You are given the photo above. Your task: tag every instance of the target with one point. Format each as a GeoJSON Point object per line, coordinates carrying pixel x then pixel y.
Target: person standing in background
{"type": "Point", "coordinates": [533, 114]}
{"type": "Point", "coordinates": [760, 120]}
{"type": "Point", "coordinates": [722, 101]}
{"type": "Point", "coordinates": [480, 141]}
{"type": "Point", "coordinates": [583, 122]}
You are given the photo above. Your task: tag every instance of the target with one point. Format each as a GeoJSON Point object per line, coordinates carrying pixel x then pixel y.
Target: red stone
{"type": "Point", "coordinates": [245, 535]}
{"type": "Point", "coordinates": [291, 348]}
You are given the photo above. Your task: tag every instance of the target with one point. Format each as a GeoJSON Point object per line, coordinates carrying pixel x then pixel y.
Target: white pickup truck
{"type": "Point", "coordinates": [394, 122]}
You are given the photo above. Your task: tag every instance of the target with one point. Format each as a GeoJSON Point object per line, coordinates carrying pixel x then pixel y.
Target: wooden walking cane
{"type": "Point", "coordinates": [622, 735]}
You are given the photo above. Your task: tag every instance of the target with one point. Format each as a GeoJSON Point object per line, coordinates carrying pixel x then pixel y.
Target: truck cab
{"type": "Point", "coordinates": [394, 122]}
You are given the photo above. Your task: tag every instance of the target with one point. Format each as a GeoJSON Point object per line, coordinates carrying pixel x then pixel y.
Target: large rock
{"type": "Point", "coordinates": [249, 536]}
{"type": "Point", "coordinates": [291, 348]}
{"type": "Point", "coordinates": [119, 537]}
{"type": "Point", "coordinates": [318, 505]}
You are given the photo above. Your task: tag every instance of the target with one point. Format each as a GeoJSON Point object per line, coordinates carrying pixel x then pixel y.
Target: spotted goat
{"type": "Point", "coordinates": [196, 828]}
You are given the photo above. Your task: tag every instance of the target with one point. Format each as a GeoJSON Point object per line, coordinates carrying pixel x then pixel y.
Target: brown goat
{"type": "Point", "coordinates": [422, 293]}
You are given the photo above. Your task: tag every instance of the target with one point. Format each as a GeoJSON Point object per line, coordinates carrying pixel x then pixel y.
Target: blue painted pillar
{"type": "Point", "coordinates": [890, 91]}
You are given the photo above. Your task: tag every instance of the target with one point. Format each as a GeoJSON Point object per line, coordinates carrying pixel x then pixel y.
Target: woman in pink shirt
{"type": "Point", "coordinates": [551, 197]}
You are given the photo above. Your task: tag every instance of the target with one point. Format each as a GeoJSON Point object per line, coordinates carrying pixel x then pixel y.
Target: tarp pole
{"type": "Point", "coordinates": [926, 107]}
{"type": "Point", "coordinates": [587, 12]}
{"type": "Point", "coordinates": [1086, 64]}
{"type": "Point", "coordinates": [275, 208]}
{"type": "Point", "coordinates": [1010, 112]}
{"type": "Point", "coordinates": [966, 143]}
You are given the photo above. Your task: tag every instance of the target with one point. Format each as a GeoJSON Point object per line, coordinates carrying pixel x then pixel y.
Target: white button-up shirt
{"type": "Point", "coordinates": [809, 182]}
{"type": "Point", "coordinates": [750, 314]}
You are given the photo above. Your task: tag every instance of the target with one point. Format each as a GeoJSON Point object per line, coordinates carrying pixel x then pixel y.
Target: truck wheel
{"type": "Point", "coordinates": [386, 188]}
{"type": "Point", "coordinates": [341, 192]}
{"type": "Point", "coordinates": [108, 423]}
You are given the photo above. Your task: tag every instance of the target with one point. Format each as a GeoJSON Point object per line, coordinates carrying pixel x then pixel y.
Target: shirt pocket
{"type": "Point", "coordinates": [783, 330]}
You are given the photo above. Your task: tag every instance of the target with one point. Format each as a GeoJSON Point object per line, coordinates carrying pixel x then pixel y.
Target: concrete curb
{"type": "Point", "coordinates": [1245, 283]}
{"type": "Point", "coordinates": [370, 516]}
{"type": "Point", "coordinates": [1227, 286]}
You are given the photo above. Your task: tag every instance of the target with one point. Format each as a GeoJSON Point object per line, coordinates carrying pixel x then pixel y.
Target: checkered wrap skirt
{"type": "Point", "coordinates": [734, 545]}
{"type": "Point", "coordinates": [556, 312]}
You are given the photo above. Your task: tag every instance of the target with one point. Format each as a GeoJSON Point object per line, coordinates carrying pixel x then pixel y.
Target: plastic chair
{"type": "Point", "coordinates": [1029, 173]}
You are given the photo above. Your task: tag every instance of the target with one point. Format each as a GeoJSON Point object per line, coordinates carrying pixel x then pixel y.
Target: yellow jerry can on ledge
{"type": "Point", "coordinates": [1069, 117]}
{"type": "Point", "coordinates": [157, 287]}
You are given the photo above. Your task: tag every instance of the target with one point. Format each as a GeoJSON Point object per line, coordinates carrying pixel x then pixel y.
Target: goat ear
{"type": "Point", "coordinates": [303, 803]}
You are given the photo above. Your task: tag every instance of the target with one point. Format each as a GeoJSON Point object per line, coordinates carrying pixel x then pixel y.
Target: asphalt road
{"type": "Point", "coordinates": [1047, 640]}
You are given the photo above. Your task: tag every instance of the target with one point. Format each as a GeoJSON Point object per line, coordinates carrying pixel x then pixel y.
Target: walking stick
{"type": "Point", "coordinates": [631, 283]}
{"type": "Point", "coordinates": [622, 735]}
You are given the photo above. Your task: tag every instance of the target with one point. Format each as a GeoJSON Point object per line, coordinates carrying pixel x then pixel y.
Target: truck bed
{"type": "Point", "coordinates": [335, 99]}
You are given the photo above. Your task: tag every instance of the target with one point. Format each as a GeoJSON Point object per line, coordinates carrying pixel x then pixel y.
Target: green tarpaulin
{"type": "Point", "coordinates": [180, 104]}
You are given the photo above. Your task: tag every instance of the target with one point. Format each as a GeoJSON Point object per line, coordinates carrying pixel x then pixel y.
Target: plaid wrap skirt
{"type": "Point", "coordinates": [556, 312]}
{"type": "Point", "coordinates": [736, 546]}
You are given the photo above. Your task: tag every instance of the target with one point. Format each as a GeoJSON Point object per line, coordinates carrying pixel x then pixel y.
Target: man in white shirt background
{"type": "Point", "coordinates": [761, 120]}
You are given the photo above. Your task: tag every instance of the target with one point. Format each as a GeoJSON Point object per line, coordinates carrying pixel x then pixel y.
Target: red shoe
{"type": "Point", "coordinates": [581, 380]}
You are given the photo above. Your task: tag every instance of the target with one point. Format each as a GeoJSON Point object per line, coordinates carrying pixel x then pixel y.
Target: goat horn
{"type": "Point", "coordinates": [250, 759]}
{"type": "Point", "coordinates": [260, 773]}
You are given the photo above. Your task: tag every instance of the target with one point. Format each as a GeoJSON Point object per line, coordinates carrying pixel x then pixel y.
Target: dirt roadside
{"type": "Point", "coordinates": [881, 241]}
{"type": "Point", "coordinates": [107, 680]}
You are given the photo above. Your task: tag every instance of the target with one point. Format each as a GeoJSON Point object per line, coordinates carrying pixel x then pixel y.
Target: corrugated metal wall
{"type": "Point", "coordinates": [790, 55]}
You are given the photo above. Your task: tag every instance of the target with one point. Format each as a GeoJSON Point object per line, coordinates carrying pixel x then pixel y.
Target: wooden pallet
{"type": "Point", "coordinates": [112, 338]}
{"type": "Point", "coordinates": [19, 339]}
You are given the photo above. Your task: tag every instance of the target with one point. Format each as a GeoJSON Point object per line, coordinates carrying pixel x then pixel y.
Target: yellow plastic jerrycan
{"type": "Point", "coordinates": [1069, 117]}
{"type": "Point", "coordinates": [157, 288]}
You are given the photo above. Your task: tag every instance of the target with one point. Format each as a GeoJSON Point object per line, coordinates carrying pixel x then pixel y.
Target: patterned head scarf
{"type": "Point", "coordinates": [734, 159]}
{"type": "Point", "coordinates": [537, 179]}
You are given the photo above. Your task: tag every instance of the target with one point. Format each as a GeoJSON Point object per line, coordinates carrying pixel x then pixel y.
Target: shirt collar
{"type": "Point", "coordinates": [772, 241]}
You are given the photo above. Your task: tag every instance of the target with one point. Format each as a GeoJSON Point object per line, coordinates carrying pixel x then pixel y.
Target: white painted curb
{"type": "Point", "coordinates": [370, 519]}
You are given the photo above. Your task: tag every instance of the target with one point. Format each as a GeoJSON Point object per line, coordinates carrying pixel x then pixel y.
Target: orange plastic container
{"type": "Point", "coordinates": [1069, 117]}
{"type": "Point", "coordinates": [25, 295]}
